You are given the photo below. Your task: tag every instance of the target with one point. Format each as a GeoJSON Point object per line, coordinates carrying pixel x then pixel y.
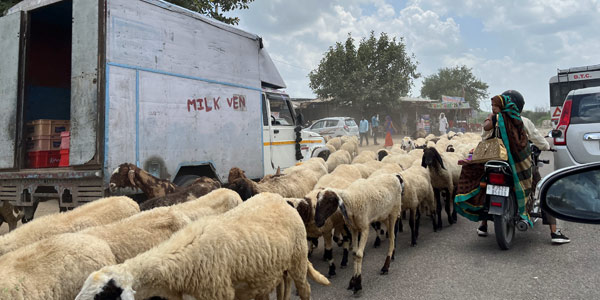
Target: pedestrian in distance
{"type": "Point", "coordinates": [443, 124]}
{"type": "Point", "coordinates": [389, 130]}
{"type": "Point", "coordinates": [363, 130]}
{"type": "Point", "coordinates": [375, 128]}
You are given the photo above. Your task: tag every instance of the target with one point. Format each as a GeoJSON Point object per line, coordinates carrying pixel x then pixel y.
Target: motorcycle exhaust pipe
{"type": "Point", "coordinates": [522, 225]}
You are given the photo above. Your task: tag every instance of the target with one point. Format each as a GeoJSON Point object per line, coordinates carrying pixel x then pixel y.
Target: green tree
{"type": "Point", "coordinates": [210, 8]}
{"type": "Point", "coordinates": [456, 81]}
{"type": "Point", "coordinates": [6, 4]}
{"type": "Point", "coordinates": [376, 73]}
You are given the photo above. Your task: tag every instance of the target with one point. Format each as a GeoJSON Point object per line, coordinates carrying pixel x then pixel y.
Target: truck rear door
{"type": "Point", "coordinates": [11, 32]}
{"type": "Point", "coordinates": [84, 82]}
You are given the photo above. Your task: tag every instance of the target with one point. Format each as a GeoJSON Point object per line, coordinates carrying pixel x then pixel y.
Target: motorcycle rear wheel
{"type": "Point", "coordinates": [504, 225]}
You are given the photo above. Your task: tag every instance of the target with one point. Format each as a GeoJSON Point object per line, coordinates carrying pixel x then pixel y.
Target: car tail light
{"type": "Point", "coordinates": [497, 204]}
{"type": "Point", "coordinates": [346, 128]}
{"type": "Point", "coordinates": [563, 124]}
{"type": "Point", "coordinates": [496, 178]}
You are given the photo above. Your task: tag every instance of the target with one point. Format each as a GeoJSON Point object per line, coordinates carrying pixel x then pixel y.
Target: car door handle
{"type": "Point", "coordinates": [276, 131]}
{"type": "Point", "coordinates": [591, 136]}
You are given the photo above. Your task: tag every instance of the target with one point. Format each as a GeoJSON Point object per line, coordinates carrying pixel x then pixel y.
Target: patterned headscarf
{"type": "Point", "coordinates": [513, 123]}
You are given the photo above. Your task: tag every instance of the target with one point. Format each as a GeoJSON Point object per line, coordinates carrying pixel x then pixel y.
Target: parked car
{"type": "Point", "coordinates": [577, 136]}
{"type": "Point", "coordinates": [335, 126]}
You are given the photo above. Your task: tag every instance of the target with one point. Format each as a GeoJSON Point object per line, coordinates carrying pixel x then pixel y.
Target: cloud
{"type": "Point", "coordinates": [519, 44]}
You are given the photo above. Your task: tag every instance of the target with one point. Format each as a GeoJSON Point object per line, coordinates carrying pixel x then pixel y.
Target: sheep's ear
{"type": "Point", "coordinates": [304, 210]}
{"type": "Point", "coordinates": [278, 173]}
{"type": "Point", "coordinates": [399, 176]}
{"type": "Point", "coordinates": [423, 164]}
{"type": "Point", "coordinates": [131, 176]}
{"type": "Point", "coordinates": [438, 157]}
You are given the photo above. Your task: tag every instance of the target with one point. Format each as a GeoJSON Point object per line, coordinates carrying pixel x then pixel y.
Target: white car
{"type": "Point", "coordinates": [335, 126]}
{"type": "Point", "coordinates": [577, 136]}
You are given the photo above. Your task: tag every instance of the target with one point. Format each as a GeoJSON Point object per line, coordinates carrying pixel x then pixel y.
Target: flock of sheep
{"type": "Point", "coordinates": [243, 241]}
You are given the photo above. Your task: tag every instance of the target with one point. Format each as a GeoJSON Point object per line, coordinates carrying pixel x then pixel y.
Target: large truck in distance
{"type": "Point", "coordinates": [139, 81]}
{"type": "Point", "coordinates": [567, 80]}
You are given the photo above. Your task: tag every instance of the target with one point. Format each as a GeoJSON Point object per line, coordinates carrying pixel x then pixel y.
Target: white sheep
{"type": "Point", "coordinates": [53, 268]}
{"type": "Point", "coordinates": [125, 239]}
{"type": "Point", "coordinates": [296, 184]}
{"type": "Point", "coordinates": [397, 149]}
{"type": "Point", "coordinates": [403, 160]}
{"type": "Point", "coordinates": [345, 172]}
{"type": "Point", "coordinates": [407, 144]}
{"type": "Point", "coordinates": [98, 212]}
{"type": "Point", "coordinates": [241, 254]}
{"type": "Point", "coordinates": [420, 143]}
{"type": "Point", "coordinates": [337, 158]}
{"type": "Point", "coordinates": [335, 142]}
{"type": "Point", "coordinates": [351, 146]}
{"type": "Point", "coordinates": [364, 156]}
{"type": "Point", "coordinates": [376, 199]}
{"type": "Point", "coordinates": [444, 173]}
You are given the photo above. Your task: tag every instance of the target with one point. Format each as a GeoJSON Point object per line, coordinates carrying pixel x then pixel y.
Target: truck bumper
{"type": "Point", "coordinates": [72, 188]}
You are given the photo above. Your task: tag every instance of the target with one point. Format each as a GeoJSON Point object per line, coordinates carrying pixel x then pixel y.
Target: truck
{"type": "Point", "coordinates": [138, 81]}
{"type": "Point", "coordinates": [567, 80]}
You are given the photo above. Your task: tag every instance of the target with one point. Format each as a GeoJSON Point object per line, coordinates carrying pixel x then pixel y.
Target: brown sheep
{"type": "Point", "coordinates": [198, 188]}
{"type": "Point", "coordinates": [128, 175]}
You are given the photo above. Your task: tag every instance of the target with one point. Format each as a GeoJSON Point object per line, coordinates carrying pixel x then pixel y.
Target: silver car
{"type": "Point", "coordinates": [335, 126]}
{"type": "Point", "coordinates": [577, 136]}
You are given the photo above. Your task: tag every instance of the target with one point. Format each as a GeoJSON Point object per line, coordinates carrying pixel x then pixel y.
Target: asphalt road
{"type": "Point", "coordinates": [455, 263]}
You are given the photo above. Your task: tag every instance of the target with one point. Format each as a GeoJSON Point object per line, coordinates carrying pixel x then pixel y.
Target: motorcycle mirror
{"type": "Point", "coordinates": [573, 194]}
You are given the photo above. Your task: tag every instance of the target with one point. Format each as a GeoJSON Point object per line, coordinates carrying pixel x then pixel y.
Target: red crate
{"type": "Point", "coordinates": [65, 140]}
{"type": "Point", "coordinates": [64, 158]}
{"type": "Point", "coordinates": [43, 159]}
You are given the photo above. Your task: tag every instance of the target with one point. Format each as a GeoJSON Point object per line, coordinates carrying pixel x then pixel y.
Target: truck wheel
{"type": "Point", "coordinates": [185, 180]}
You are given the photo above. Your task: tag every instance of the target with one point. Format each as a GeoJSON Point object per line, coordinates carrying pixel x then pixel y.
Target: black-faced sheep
{"type": "Point", "coordinates": [198, 188]}
{"type": "Point", "coordinates": [6, 215]}
{"type": "Point", "coordinates": [243, 253]}
{"type": "Point", "coordinates": [293, 185]}
{"type": "Point", "coordinates": [444, 172]}
{"type": "Point", "coordinates": [129, 175]}
{"type": "Point", "coordinates": [99, 212]}
{"type": "Point", "coordinates": [377, 199]}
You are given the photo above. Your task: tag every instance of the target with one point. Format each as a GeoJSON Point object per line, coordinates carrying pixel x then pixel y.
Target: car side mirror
{"type": "Point", "coordinates": [573, 194]}
{"type": "Point", "coordinates": [300, 119]}
{"type": "Point", "coordinates": [555, 133]}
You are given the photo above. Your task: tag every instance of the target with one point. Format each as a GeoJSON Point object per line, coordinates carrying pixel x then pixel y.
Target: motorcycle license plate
{"type": "Point", "coordinates": [497, 190]}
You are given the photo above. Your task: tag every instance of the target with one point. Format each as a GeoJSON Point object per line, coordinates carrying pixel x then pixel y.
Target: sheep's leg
{"type": "Point", "coordinates": [447, 206]}
{"type": "Point", "coordinates": [347, 236]}
{"type": "Point", "coordinates": [400, 227]}
{"type": "Point", "coordinates": [355, 246]}
{"type": "Point", "coordinates": [356, 280]}
{"type": "Point", "coordinates": [411, 223]}
{"type": "Point", "coordinates": [433, 221]}
{"type": "Point", "coordinates": [302, 286]}
{"type": "Point", "coordinates": [377, 227]}
{"type": "Point", "coordinates": [418, 221]}
{"type": "Point", "coordinates": [392, 246]}
{"type": "Point", "coordinates": [328, 253]}
{"type": "Point", "coordinates": [454, 216]}
{"type": "Point", "coordinates": [438, 208]}
{"type": "Point", "coordinates": [404, 214]}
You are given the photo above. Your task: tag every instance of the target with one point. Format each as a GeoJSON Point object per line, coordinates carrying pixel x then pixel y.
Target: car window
{"type": "Point", "coordinates": [318, 125]}
{"type": "Point", "coordinates": [332, 123]}
{"type": "Point", "coordinates": [586, 109]}
{"type": "Point", "coordinates": [350, 122]}
{"type": "Point", "coordinates": [281, 114]}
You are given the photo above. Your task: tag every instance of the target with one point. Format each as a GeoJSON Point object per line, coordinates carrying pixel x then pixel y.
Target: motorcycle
{"type": "Point", "coordinates": [501, 203]}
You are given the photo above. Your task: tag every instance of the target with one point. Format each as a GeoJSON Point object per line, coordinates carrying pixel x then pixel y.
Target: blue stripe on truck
{"type": "Point", "coordinates": [184, 76]}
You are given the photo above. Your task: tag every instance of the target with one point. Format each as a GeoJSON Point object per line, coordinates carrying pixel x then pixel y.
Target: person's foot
{"type": "Point", "coordinates": [559, 238]}
{"type": "Point", "coordinates": [482, 230]}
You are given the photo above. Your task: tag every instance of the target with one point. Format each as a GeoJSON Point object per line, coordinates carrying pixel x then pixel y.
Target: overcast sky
{"type": "Point", "coordinates": [509, 44]}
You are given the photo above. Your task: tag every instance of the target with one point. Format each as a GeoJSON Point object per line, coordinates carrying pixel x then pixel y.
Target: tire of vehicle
{"type": "Point", "coordinates": [185, 180]}
{"type": "Point", "coordinates": [504, 225]}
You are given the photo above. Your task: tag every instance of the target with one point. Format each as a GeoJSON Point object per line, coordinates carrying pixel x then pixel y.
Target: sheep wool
{"type": "Point", "coordinates": [98, 212]}
{"type": "Point", "coordinates": [53, 268]}
{"type": "Point", "coordinates": [365, 201]}
{"type": "Point", "coordinates": [243, 252]}
{"type": "Point", "coordinates": [337, 158]}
